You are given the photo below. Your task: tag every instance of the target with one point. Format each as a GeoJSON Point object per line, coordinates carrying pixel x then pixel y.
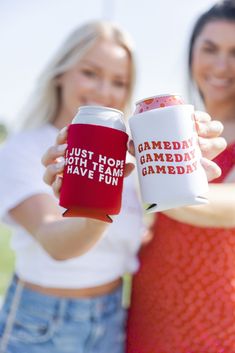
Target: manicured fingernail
{"type": "Point", "coordinates": [216, 126]}
{"type": "Point", "coordinates": [59, 165]}
{"type": "Point", "coordinates": [201, 116]}
{"type": "Point", "coordinates": [221, 142]}
{"type": "Point", "coordinates": [58, 179]}
{"type": "Point", "coordinates": [62, 148]}
{"type": "Point", "coordinates": [62, 131]}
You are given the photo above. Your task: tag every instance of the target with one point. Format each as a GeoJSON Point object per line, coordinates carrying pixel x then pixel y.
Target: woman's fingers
{"type": "Point", "coordinates": [209, 129]}
{"type": "Point", "coordinates": [131, 148]}
{"type": "Point", "coordinates": [56, 186]}
{"type": "Point", "coordinates": [52, 171]}
{"type": "Point", "coordinates": [212, 147]}
{"type": "Point", "coordinates": [53, 154]}
{"type": "Point", "coordinates": [53, 160]}
{"type": "Point", "coordinates": [62, 136]}
{"type": "Point", "coordinates": [212, 170]}
{"type": "Point", "coordinates": [201, 116]}
{"type": "Point", "coordinates": [129, 167]}
{"type": "Point", "coordinates": [209, 132]}
{"type": "Point", "coordinates": [211, 144]}
{"type": "Point", "coordinates": [58, 150]}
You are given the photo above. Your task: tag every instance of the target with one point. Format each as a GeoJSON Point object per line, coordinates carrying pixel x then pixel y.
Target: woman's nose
{"type": "Point", "coordinates": [104, 88]}
{"type": "Point", "coordinates": [222, 63]}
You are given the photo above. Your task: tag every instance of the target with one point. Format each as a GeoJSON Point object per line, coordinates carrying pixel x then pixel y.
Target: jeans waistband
{"type": "Point", "coordinates": [73, 307]}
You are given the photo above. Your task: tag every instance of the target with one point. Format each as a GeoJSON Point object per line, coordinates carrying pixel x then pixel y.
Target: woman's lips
{"type": "Point", "coordinates": [87, 102]}
{"type": "Point", "coordinates": [219, 82]}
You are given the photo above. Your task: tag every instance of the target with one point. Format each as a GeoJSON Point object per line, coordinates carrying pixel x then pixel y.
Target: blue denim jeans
{"type": "Point", "coordinates": [31, 322]}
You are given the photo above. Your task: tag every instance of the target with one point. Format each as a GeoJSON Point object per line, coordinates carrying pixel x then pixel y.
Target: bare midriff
{"type": "Point", "coordinates": [75, 292]}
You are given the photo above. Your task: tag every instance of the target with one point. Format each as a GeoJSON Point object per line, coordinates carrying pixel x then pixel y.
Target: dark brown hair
{"type": "Point", "coordinates": [222, 10]}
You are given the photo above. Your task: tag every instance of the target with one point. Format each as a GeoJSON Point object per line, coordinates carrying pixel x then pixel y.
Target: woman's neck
{"type": "Point", "coordinates": [226, 114]}
{"type": "Point", "coordinates": [62, 119]}
{"type": "Point", "coordinates": [223, 112]}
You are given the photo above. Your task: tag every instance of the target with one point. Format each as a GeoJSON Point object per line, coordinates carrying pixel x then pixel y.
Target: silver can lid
{"type": "Point", "coordinates": [99, 115]}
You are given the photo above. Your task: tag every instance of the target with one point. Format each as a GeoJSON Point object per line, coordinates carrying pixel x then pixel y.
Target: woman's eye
{"type": "Point", "coordinates": [233, 53]}
{"type": "Point", "coordinates": [88, 73]}
{"type": "Point", "coordinates": [208, 50]}
{"type": "Point", "coordinates": [120, 84]}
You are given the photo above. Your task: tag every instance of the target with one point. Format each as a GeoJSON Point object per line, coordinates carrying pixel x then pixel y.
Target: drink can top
{"type": "Point", "coordinates": [99, 115]}
{"type": "Point", "coordinates": [160, 101]}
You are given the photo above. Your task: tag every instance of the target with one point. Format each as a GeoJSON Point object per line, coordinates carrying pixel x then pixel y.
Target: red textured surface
{"type": "Point", "coordinates": [184, 294]}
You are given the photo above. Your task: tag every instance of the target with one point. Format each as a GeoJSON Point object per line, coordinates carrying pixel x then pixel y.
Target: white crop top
{"type": "Point", "coordinates": [21, 177]}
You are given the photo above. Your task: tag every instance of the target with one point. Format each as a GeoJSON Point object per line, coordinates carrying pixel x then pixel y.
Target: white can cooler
{"type": "Point", "coordinates": [167, 153]}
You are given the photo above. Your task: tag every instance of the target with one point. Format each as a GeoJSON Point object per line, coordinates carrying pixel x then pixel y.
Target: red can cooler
{"type": "Point", "coordinates": [94, 164]}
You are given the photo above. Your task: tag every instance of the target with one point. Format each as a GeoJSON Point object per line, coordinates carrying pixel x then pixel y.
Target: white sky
{"type": "Point", "coordinates": [31, 30]}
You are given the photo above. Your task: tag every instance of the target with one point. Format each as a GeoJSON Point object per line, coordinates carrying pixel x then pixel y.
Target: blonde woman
{"type": "Point", "coordinates": [61, 299]}
{"type": "Point", "coordinates": [64, 298]}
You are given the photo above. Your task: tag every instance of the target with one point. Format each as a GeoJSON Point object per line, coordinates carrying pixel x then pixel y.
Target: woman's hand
{"type": "Point", "coordinates": [54, 162]}
{"type": "Point", "coordinates": [210, 142]}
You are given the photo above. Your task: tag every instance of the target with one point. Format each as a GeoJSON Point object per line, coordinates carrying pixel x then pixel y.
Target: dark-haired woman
{"type": "Point", "coordinates": [184, 293]}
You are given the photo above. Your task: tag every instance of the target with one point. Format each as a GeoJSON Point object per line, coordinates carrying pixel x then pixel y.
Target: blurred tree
{"type": "Point", "coordinates": [3, 132]}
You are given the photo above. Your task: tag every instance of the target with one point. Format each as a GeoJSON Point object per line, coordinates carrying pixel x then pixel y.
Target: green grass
{"type": "Point", "coordinates": [6, 258]}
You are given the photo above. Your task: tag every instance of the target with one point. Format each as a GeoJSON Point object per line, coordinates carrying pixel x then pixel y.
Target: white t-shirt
{"type": "Point", "coordinates": [20, 178]}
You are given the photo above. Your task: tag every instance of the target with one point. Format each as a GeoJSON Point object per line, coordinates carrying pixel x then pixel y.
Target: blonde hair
{"type": "Point", "coordinates": [43, 105]}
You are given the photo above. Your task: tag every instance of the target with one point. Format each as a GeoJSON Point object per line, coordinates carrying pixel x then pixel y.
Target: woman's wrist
{"type": "Point", "coordinates": [70, 237]}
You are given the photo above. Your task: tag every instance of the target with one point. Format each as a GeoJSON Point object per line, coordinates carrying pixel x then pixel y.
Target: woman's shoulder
{"type": "Point", "coordinates": [27, 136]}
{"type": "Point", "coordinates": [27, 141]}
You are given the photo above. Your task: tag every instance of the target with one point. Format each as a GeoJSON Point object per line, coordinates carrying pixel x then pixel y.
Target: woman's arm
{"type": "Point", "coordinates": [219, 212]}
{"type": "Point", "coordinates": [40, 215]}
{"type": "Point", "coordinates": [62, 238]}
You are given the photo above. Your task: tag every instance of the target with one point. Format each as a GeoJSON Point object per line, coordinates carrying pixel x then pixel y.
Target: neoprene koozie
{"type": "Point", "coordinates": [94, 164]}
{"type": "Point", "coordinates": [167, 153]}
